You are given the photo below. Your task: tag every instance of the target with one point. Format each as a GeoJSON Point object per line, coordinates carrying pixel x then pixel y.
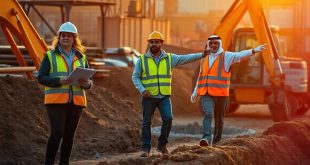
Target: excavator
{"type": "Point", "coordinates": [16, 25]}
{"type": "Point", "coordinates": [280, 82]}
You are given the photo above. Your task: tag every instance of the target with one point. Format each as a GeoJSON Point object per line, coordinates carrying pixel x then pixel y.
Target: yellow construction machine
{"type": "Point", "coordinates": [18, 31]}
{"type": "Point", "coordinates": [16, 25]}
{"type": "Point", "coordinates": [267, 78]}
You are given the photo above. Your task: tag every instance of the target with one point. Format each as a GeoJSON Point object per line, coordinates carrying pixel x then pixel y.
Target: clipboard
{"type": "Point", "coordinates": [81, 73]}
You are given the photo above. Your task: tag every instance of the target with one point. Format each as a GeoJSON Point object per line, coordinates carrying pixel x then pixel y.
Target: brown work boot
{"type": "Point", "coordinates": [203, 143]}
{"type": "Point", "coordinates": [145, 153]}
{"type": "Point", "coordinates": [162, 149]}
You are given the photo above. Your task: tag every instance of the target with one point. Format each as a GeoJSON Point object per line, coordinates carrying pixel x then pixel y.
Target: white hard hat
{"type": "Point", "coordinates": [68, 27]}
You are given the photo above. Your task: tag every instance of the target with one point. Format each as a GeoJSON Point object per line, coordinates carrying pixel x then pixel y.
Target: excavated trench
{"type": "Point", "coordinates": [194, 130]}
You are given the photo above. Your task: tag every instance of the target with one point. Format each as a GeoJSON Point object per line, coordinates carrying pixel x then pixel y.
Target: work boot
{"type": "Point", "coordinates": [203, 143]}
{"type": "Point", "coordinates": [145, 153]}
{"type": "Point", "coordinates": [162, 149]}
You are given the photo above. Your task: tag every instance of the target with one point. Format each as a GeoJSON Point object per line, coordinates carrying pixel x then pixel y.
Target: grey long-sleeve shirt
{"type": "Point", "coordinates": [175, 60]}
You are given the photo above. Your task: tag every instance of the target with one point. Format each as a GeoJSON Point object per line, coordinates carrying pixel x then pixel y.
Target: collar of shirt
{"type": "Point", "coordinates": [64, 53]}
{"type": "Point", "coordinates": [212, 58]}
{"type": "Point", "coordinates": [68, 58]}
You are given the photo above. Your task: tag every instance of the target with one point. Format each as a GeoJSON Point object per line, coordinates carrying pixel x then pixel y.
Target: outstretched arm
{"type": "Point", "coordinates": [184, 59]}
{"type": "Point", "coordinates": [234, 57]}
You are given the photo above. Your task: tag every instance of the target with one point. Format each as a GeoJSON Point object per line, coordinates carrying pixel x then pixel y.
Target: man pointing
{"type": "Point", "coordinates": [213, 85]}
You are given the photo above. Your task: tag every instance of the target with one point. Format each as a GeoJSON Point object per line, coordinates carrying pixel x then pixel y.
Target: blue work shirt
{"type": "Point", "coordinates": [69, 61]}
{"type": "Point", "coordinates": [68, 57]}
{"type": "Point", "coordinates": [175, 60]}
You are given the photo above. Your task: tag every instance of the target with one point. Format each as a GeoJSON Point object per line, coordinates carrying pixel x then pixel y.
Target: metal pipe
{"type": "Point", "coordinates": [17, 69]}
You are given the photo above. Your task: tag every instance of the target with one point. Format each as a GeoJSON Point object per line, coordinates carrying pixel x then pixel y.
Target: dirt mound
{"type": "Point", "coordinates": [23, 124]}
{"type": "Point", "coordinates": [109, 124]}
{"type": "Point", "coordinates": [121, 84]}
{"type": "Point", "coordinates": [275, 146]}
{"type": "Point", "coordinates": [283, 143]}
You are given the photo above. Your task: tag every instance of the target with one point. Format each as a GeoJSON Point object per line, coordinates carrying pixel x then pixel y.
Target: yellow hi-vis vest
{"type": "Point", "coordinates": [59, 68]}
{"type": "Point", "coordinates": [157, 79]}
{"type": "Point", "coordinates": [215, 80]}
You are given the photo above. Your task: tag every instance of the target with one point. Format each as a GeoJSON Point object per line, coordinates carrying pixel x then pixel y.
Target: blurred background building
{"type": "Point", "coordinates": [116, 23]}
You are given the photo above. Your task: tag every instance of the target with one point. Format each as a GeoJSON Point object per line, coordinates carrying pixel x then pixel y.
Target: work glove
{"type": "Point", "coordinates": [259, 48]}
{"type": "Point", "coordinates": [194, 96]}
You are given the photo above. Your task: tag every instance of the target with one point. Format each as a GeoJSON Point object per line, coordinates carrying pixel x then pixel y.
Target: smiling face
{"type": "Point", "coordinates": [214, 46]}
{"type": "Point", "coordinates": [66, 39]}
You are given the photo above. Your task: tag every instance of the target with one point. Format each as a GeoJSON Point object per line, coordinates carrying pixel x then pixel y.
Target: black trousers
{"type": "Point", "coordinates": [64, 119]}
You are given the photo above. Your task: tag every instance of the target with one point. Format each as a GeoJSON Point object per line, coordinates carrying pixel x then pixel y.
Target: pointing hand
{"type": "Point", "coordinates": [259, 48]}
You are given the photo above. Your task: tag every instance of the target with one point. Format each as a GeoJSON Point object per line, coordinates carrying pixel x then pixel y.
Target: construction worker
{"type": "Point", "coordinates": [213, 85]}
{"type": "Point", "coordinates": [64, 102]}
{"type": "Point", "coordinates": [152, 77]}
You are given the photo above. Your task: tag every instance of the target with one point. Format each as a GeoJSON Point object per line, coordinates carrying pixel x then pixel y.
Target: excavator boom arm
{"type": "Point", "coordinates": [261, 29]}
{"type": "Point", "coordinates": [14, 20]}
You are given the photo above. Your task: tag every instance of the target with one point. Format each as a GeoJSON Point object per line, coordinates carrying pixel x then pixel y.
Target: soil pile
{"type": "Point", "coordinates": [283, 143]}
{"type": "Point", "coordinates": [109, 124]}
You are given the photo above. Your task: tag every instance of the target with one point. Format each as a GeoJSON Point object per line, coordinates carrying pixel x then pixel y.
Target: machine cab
{"type": "Point", "coordinates": [250, 70]}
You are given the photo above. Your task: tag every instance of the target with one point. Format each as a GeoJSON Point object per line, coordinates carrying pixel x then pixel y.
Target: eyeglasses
{"type": "Point", "coordinates": [155, 42]}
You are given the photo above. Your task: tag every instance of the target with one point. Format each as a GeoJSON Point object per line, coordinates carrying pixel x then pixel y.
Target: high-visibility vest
{"type": "Point", "coordinates": [215, 80]}
{"type": "Point", "coordinates": [156, 79]}
{"type": "Point", "coordinates": [59, 68]}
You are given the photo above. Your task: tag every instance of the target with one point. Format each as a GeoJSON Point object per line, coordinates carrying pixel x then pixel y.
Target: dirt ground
{"type": "Point", "coordinates": [109, 130]}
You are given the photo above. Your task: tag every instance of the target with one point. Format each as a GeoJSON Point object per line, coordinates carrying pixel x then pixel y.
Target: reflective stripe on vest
{"type": "Point", "coordinates": [156, 79]}
{"type": "Point", "coordinates": [59, 68]}
{"type": "Point", "coordinates": [215, 80]}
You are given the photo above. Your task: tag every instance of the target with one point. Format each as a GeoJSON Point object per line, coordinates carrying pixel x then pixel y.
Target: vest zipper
{"type": "Point", "coordinates": [70, 86]}
{"type": "Point", "coordinates": [157, 66]}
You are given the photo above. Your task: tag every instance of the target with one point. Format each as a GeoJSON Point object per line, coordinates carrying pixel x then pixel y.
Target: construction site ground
{"type": "Point", "coordinates": [109, 129]}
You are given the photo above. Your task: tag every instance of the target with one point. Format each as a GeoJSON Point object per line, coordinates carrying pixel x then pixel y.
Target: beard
{"type": "Point", "coordinates": [155, 49]}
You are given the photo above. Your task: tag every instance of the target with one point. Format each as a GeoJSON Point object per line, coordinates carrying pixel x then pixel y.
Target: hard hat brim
{"type": "Point", "coordinates": [64, 31]}
{"type": "Point", "coordinates": [156, 39]}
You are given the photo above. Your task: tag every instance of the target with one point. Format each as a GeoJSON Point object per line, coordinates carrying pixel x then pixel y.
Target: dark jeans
{"type": "Point", "coordinates": [149, 105]}
{"type": "Point", "coordinates": [64, 119]}
{"type": "Point", "coordinates": [213, 105]}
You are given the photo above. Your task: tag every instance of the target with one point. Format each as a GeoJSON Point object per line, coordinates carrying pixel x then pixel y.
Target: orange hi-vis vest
{"type": "Point", "coordinates": [59, 68]}
{"type": "Point", "coordinates": [215, 80]}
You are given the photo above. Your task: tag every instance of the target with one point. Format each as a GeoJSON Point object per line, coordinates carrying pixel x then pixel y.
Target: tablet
{"type": "Point", "coordinates": [81, 73]}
